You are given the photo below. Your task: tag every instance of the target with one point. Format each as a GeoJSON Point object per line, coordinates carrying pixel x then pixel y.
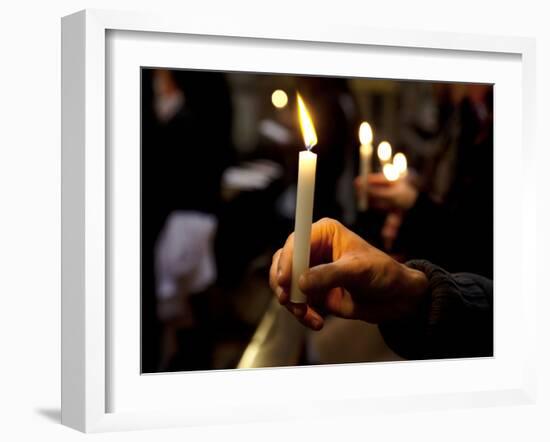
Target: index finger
{"type": "Point", "coordinates": [322, 233]}
{"type": "Point", "coordinates": [273, 270]}
{"type": "Point", "coordinates": [284, 268]}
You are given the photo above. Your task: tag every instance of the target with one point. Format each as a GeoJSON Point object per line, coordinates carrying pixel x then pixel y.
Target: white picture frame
{"type": "Point", "coordinates": [86, 348]}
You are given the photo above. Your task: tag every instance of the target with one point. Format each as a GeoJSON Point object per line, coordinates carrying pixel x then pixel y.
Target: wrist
{"type": "Point", "coordinates": [417, 284]}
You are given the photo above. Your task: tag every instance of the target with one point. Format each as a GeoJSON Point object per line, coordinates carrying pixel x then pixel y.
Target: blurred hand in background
{"type": "Point", "coordinates": [399, 195]}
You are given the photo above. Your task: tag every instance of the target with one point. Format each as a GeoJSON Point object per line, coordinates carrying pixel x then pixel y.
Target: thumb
{"type": "Point", "coordinates": [323, 278]}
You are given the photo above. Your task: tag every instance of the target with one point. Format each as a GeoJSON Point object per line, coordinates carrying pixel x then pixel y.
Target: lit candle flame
{"type": "Point", "coordinates": [390, 172]}
{"type": "Point", "coordinates": [384, 151]}
{"type": "Point", "coordinates": [365, 133]}
{"type": "Point", "coordinates": [308, 129]}
{"type": "Point", "coordinates": [400, 163]}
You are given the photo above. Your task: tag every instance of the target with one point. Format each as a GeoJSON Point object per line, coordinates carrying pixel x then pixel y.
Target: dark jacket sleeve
{"type": "Point", "coordinates": [455, 321]}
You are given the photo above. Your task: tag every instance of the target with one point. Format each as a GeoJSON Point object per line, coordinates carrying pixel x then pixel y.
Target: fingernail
{"type": "Point", "coordinates": [278, 292]}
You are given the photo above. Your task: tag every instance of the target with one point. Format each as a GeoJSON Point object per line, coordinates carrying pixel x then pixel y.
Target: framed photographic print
{"type": "Point", "coordinates": [193, 149]}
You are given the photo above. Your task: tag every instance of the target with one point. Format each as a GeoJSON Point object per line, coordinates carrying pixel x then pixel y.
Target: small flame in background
{"type": "Point", "coordinates": [384, 151]}
{"type": "Point", "coordinates": [308, 129]}
{"type": "Point", "coordinates": [400, 163]}
{"type": "Point", "coordinates": [390, 172]}
{"type": "Point", "coordinates": [365, 133]}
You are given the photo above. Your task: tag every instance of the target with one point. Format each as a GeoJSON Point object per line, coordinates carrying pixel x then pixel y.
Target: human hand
{"type": "Point", "coordinates": [387, 195]}
{"type": "Point", "coordinates": [348, 278]}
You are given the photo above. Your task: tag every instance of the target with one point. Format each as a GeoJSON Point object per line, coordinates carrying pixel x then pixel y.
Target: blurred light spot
{"type": "Point", "coordinates": [365, 133]}
{"type": "Point", "coordinates": [390, 172]}
{"type": "Point", "coordinates": [400, 162]}
{"type": "Point", "coordinates": [279, 98]}
{"type": "Point", "coordinates": [384, 151]}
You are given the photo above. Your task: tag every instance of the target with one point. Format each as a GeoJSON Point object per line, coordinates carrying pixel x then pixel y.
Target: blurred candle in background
{"type": "Point", "coordinates": [400, 163]}
{"type": "Point", "coordinates": [390, 172]}
{"type": "Point", "coordinates": [365, 161]}
{"type": "Point", "coordinates": [384, 153]}
{"type": "Point", "coordinates": [304, 203]}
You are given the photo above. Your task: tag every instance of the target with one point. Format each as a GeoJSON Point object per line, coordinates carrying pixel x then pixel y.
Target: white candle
{"type": "Point", "coordinates": [365, 161]}
{"type": "Point", "coordinates": [304, 204]}
{"type": "Point", "coordinates": [302, 227]}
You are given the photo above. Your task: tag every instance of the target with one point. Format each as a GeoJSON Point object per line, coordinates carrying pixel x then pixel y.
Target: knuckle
{"type": "Point", "coordinates": [358, 266]}
{"type": "Point", "coordinates": [329, 222]}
